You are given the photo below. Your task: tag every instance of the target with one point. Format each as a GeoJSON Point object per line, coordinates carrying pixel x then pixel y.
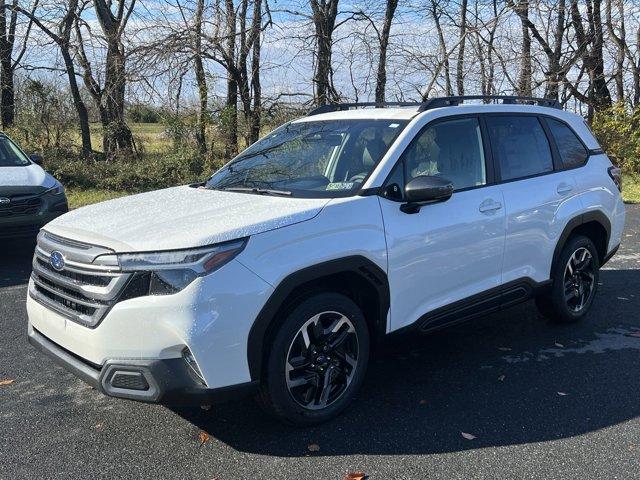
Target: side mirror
{"type": "Point", "coordinates": [37, 159]}
{"type": "Point", "coordinates": [425, 189]}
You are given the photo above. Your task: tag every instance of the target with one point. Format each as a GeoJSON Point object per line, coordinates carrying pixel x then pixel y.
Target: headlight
{"type": "Point", "coordinates": [57, 189]}
{"type": "Point", "coordinates": [171, 271]}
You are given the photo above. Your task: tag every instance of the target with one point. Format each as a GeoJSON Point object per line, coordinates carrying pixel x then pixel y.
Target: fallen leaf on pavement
{"type": "Point", "coordinates": [313, 447]}
{"type": "Point", "coordinates": [562, 394]}
{"type": "Point", "coordinates": [468, 436]}
{"type": "Point", "coordinates": [355, 476]}
{"type": "Point", "coordinates": [559, 345]}
{"type": "Point", "coordinates": [99, 426]}
{"type": "Point", "coordinates": [8, 381]}
{"type": "Point", "coordinates": [203, 437]}
{"type": "Point", "coordinates": [502, 377]}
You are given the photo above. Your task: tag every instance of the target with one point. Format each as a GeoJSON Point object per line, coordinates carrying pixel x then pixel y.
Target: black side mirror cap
{"type": "Point", "coordinates": [425, 189]}
{"type": "Point", "coordinates": [37, 159]}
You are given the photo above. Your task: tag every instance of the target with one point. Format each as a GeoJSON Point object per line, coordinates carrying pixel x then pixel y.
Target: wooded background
{"type": "Point", "coordinates": [217, 73]}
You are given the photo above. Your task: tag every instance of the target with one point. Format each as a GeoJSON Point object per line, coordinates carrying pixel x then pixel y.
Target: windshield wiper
{"type": "Point", "coordinates": [259, 191]}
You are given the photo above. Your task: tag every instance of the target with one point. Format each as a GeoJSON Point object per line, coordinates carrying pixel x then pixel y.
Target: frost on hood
{"type": "Point", "coordinates": [182, 217]}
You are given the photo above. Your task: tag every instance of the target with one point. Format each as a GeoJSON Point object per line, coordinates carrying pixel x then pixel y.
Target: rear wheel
{"type": "Point", "coordinates": [317, 360]}
{"type": "Point", "coordinates": [575, 281]}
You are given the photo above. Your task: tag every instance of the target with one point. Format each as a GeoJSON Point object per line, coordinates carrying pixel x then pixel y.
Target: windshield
{"type": "Point", "coordinates": [11, 155]}
{"type": "Point", "coordinates": [310, 159]}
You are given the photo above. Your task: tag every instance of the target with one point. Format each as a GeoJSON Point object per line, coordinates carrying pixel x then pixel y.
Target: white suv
{"type": "Point", "coordinates": [278, 274]}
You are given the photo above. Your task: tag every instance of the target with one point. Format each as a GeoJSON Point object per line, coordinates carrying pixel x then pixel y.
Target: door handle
{"type": "Point", "coordinates": [564, 188]}
{"type": "Point", "coordinates": [489, 206]}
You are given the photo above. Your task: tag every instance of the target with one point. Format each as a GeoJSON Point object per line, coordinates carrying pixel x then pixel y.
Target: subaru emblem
{"type": "Point", "coordinates": [56, 260]}
{"type": "Point", "coordinates": [5, 201]}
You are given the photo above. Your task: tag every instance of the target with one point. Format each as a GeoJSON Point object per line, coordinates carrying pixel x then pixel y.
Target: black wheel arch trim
{"type": "Point", "coordinates": [360, 265]}
{"type": "Point", "coordinates": [593, 215]}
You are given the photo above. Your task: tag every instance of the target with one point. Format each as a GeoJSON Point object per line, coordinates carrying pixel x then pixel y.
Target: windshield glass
{"type": "Point", "coordinates": [310, 159]}
{"type": "Point", "coordinates": [10, 154]}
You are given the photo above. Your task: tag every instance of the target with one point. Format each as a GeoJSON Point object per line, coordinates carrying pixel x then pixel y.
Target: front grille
{"type": "Point", "coordinates": [21, 205]}
{"type": "Point", "coordinates": [85, 289]}
{"type": "Point", "coordinates": [78, 277]}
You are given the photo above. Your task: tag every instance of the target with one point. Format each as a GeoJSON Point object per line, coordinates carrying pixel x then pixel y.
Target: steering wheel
{"type": "Point", "coordinates": [359, 177]}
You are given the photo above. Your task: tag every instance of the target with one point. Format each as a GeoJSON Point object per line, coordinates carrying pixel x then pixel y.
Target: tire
{"type": "Point", "coordinates": [295, 395]}
{"type": "Point", "coordinates": [569, 299]}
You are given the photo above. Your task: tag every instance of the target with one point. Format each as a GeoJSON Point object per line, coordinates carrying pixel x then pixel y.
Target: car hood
{"type": "Point", "coordinates": [181, 217]}
{"type": "Point", "coordinates": [27, 176]}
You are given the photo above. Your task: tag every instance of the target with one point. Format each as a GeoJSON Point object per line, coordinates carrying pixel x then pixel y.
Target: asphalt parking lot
{"type": "Point", "coordinates": [541, 400]}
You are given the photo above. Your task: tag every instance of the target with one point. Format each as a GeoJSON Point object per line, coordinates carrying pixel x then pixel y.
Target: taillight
{"type": "Point", "coordinates": [616, 175]}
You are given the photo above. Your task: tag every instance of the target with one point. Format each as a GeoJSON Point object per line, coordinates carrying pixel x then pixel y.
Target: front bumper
{"type": "Point", "coordinates": [28, 225]}
{"type": "Point", "coordinates": [166, 381]}
{"type": "Point", "coordinates": [212, 317]}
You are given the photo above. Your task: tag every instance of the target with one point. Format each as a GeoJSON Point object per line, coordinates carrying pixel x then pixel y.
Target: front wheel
{"type": "Point", "coordinates": [575, 281]}
{"type": "Point", "coordinates": [317, 360]}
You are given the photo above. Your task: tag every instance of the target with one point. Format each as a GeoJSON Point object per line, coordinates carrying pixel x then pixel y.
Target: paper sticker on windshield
{"type": "Point", "coordinates": [394, 125]}
{"type": "Point", "coordinates": [340, 186]}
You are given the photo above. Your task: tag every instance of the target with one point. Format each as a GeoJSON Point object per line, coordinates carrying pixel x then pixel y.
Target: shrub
{"type": "Point", "coordinates": [149, 172]}
{"type": "Point", "coordinates": [618, 131]}
{"type": "Point", "coordinates": [140, 113]}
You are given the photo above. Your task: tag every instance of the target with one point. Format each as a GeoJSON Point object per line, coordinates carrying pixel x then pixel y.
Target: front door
{"type": "Point", "coordinates": [451, 250]}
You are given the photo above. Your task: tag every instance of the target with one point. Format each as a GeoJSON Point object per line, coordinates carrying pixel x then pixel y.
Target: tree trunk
{"type": "Point", "coordinates": [461, 48]}
{"type": "Point", "coordinates": [381, 76]}
{"type": "Point", "coordinates": [324, 19]}
{"type": "Point", "coordinates": [443, 47]}
{"type": "Point", "coordinates": [201, 80]}
{"type": "Point", "coordinates": [7, 99]}
{"type": "Point", "coordinates": [524, 78]}
{"type": "Point", "coordinates": [81, 108]}
{"type": "Point", "coordinates": [7, 94]}
{"type": "Point", "coordinates": [116, 135]}
{"type": "Point", "coordinates": [230, 117]}
{"type": "Point", "coordinates": [256, 112]}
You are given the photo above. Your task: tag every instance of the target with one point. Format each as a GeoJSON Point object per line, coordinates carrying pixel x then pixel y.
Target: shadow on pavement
{"type": "Point", "coordinates": [421, 393]}
{"type": "Point", "coordinates": [15, 262]}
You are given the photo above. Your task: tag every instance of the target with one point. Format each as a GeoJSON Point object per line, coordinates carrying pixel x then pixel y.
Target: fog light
{"type": "Point", "coordinates": [191, 363]}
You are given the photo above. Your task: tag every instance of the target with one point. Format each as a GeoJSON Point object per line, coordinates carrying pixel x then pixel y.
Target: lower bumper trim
{"type": "Point", "coordinates": [169, 381]}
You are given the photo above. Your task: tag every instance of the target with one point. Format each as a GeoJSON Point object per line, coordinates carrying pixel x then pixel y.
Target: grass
{"type": "Point", "coordinates": [631, 188]}
{"type": "Point", "coordinates": [79, 198]}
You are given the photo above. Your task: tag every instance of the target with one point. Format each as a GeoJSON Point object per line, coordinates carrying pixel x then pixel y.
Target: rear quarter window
{"type": "Point", "coordinates": [572, 151]}
{"type": "Point", "coordinates": [520, 145]}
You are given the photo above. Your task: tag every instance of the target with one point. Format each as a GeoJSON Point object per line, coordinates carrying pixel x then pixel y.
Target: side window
{"type": "Point", "coordinates": [451, 149]}
{"type": "Point", "coordinates": [572, 152]}
{"type": "Point", "coordinates": [520, 145]}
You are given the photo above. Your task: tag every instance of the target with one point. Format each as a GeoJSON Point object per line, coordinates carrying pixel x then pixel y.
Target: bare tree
{"type": "Point", "coordinates": [110, 95]}
{"type": "Point", "coordinates": [383, 39]}
{"type": "Point", "coordinates": [590, 47]}
{"type": "Point", "coordinates": [60, 34]}
{"type": "Point", "coordinates": [7, 63]}
{"type": "Point", "coordinates": [526, 70]}
{"type": "Point", "coordinates": [324, 14]}
{"type": "Point", "coordinates": [461, 48]}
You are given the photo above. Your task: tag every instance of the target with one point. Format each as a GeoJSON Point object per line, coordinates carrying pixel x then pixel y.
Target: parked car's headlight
{"type": "Point", "coordinates": [170, 271]}
{"type": "Point", "coordinates": [57, 189]}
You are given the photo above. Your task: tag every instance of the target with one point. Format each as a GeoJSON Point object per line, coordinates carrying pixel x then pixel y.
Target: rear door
{"type": "Point", "coordinates": [536, 191]}
{"type": "Point", "coordinates": [451, 250]}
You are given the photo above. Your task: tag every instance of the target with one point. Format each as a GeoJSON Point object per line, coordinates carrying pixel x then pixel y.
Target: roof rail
{"type": "Point", "coordinates": [337, 107]}
{"type": "Point", "coordinates": [438, 102]}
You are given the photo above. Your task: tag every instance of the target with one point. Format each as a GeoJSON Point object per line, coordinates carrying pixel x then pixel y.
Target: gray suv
{"type": "Point", "coordinates": [29, 196]}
